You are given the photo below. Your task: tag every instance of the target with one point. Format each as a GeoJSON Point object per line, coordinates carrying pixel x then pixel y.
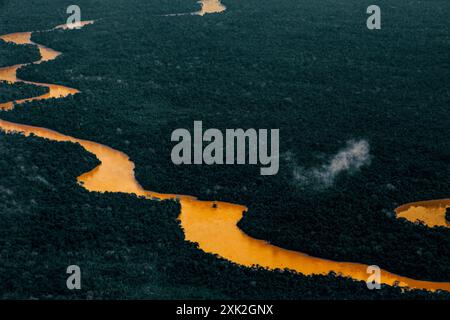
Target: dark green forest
{"type": "Point", "coordinates": [126, 247]}
{"type": "Point", "coordinates": [16, 91]}
{"type": "Point", "coordinates": [309, 68]}
{"type": "Point", "coordinates": [11, 54]}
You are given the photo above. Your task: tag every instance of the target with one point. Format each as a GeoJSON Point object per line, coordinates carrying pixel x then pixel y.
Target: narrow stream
{"type": "Point", "coordinates": [213, 225]}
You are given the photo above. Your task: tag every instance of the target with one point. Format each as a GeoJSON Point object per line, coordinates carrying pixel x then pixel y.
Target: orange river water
{"type": "Point", "coordinates": [206, 7]}
{"type": "Point", "coordinates": [210, 6]}
{"type": "Point", "coordinates": [214, 228]}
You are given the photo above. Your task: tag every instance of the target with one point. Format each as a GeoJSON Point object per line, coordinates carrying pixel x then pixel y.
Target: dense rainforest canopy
{"type": "Point", "coordinates": [16, 91]}
{"type": "Point", "coordinates": [11, 54]}
{"type": "Point", "coordinates": [126, 247]}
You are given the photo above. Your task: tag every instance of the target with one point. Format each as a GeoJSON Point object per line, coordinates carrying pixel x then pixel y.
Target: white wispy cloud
{"type": "Point", "coordinates": [350, 159]}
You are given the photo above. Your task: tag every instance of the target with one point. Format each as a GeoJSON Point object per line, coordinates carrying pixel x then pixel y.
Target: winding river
{"type": "Point", "coordinates": [213, 225]}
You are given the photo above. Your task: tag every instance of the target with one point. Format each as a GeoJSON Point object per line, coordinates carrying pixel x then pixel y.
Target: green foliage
{"type": "Point", "coordinates": [16, 91]}
{"type": "Point", "coordinates": [12, 54]}
{"type": "Point", "coordinates": [126, 247]}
